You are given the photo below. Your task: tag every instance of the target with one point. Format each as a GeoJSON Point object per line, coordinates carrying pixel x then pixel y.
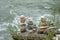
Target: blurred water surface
{"type": "Point", "coordinates": [10, 11]}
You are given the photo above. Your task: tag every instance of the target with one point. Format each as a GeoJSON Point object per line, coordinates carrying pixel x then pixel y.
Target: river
{"type": "Point", "coordinates": [10, 11]}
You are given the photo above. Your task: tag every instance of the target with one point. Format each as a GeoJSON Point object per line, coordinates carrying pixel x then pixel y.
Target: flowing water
{"type": "Point", "coordinates": [10, 11]}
